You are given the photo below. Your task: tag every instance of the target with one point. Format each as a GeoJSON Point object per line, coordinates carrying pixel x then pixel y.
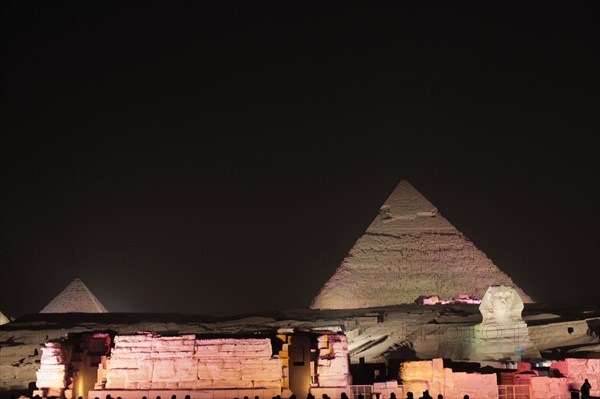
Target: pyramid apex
{"type": "Point", "coordinates": [405, 203]}
{"type": "Point", "coordinates": [75, 298]}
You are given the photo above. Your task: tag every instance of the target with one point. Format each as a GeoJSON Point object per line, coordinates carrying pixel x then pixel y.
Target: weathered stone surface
{"type": "Point", "coordinates": [75, 298]}
{"type": "Point", "coordinates": [152, 361]}
{"type": "Point", "coordinates": [54, 363]}
{"type": "Point", "coordinates": [417, 376]}
{"type": "Point", "coordinates": [577, 370]}
{"type": "Point", "coordinates": [549, 388]}
{"type": "Point", "coordinates": [332, 362]}
{"type": "Point", "coordinates": [409, 251]}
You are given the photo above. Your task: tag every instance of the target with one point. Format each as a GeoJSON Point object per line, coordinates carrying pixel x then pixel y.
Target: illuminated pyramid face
{"type": "Point", "coordinates": [76, 298]}
{"type": "Point", "coordinates": [3, 319]}
{"type": "Point", "coordinates": [409, 251]}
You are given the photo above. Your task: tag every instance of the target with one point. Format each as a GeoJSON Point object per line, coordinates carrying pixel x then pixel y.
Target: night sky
{"type": "Point", "coordinates": [202, 157]}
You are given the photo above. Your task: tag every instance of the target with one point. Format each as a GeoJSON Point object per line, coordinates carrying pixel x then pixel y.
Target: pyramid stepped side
{"type": "Point", "coordinates": [408, 251]}
{"type": "Point", "coordinates": [76, 298]}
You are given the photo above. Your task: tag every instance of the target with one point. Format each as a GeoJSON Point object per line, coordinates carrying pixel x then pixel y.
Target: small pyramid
{"type": "Point", "coordinates": [76, 298]}
{"type": "Point", "coordinates": [3, 319]}
{"type": "Point", "coordinates": [408, 251]}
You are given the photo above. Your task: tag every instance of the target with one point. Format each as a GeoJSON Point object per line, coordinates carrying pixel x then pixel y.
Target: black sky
{"type": "Point", "coordinates": [224, 156]}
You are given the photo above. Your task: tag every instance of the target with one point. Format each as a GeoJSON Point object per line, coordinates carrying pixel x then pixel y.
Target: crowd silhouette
{"type": "Point", "coordinates": [409, 395]}
{"type": "Point", "coordinates": [585, 394]}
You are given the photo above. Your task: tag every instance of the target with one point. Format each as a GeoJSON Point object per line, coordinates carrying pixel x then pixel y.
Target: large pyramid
{"type": "Point", "coordinates": [409, 251]}
{"type": "Point", "coordinates": [76, 298]}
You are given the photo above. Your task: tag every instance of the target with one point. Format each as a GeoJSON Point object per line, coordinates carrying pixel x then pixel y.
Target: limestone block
{"type": "Point", "coordinates": [266, 383]}
{"type": "Point", "coordinates": [340, 346]}
{"type": "Point", "coordinates": [203, 383]}
{"type": "Point", "coordinates": [139, 375]}
{"type": "Point", "coordinates": [116, 380]}
{"type": "Point", "coordinates": [481, 386]}
{"type": "Point", "coordinates": [123, 363]}
{"type": "Point", "coordinates": [181, 345]}
{"type": "Point", "coordinates": [416, 371]}
{"type": "Point", "coordinates": [333, 381]}
{"type": "Point", "coordinates": [131, 352]}
{"type": "Point", "coordinates": [549, 388]}
{"type": "Point", "coordinates": [164, 370]}
{"type": "Point", "coordinates": [51, 377]}
{"type": "Point", "coordinates": [164, 385]}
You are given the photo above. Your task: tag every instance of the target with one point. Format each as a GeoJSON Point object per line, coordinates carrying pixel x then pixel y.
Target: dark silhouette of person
{"type": "Point", "coordinates": [245, 397]}
{"type": "Point", "coordinates": [344, 396]}
{"type": "Point", "coordinates": [292, 396]}
{"type": "Point", "coordinates": [187, 397]}
{"type": "Point", "coordinates": [361, 396]}
{"type": "Point", "coordinates": [409, 395]}
{"type": "Point", "coordinates": [158, 397]}
{"type": "Point", "coordinates": [585, 389]}
{"type": "Point", "coordinates": [440, 396]}
{"type": "Point", "coordinates": [256, 397]}
{"type": "Point", "coordinates": [81, 397]}
{"type": "Point", "coordinates": [392, 395]}
{"type": "Point", "coordinates": [108, 397]}
{"type": "Point", "coordinates": [466, 397]}
{"type": "Point", "coordinates": [426, 395]}
{"type": "Point", "coordinates": [173, 396]}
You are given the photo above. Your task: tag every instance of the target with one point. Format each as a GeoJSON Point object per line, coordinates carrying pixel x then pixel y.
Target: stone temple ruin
{"type": "Point", "coordinates": [414, 306]}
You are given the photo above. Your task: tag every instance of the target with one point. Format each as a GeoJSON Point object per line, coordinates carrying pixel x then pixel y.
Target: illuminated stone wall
{"type": "Point", "coordinates": [546, 387]}
{"type": "Point", "coordinates": [332, 363]}
{"type": "Point", "coordinates": [577, 370]}
{"type": "Point", "coordinates": [52, 375]}
{"type": "Point", "coordinates": [418, 376]}
{"type": "Point", "coordinates": [183, 362]}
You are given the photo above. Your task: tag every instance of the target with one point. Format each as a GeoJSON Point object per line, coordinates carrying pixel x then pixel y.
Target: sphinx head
{"type": "Point", "coordinates": [501, 305]}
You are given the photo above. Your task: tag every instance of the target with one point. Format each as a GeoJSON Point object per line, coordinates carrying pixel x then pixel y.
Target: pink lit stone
{"type": "Point", "coordinates": [156, 362]}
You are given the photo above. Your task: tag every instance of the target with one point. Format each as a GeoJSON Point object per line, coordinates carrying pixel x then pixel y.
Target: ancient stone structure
{"type": "Point", "coordinates": [149, 362]}
{"type": "Point", "coordinates": [76, 297]}
{"type": "Point", "coordinates": [52, 376]}
{"type": "Point", "coordinates": [502, 335]}
{"type": "Point", "coordinates": [3, 319]}
{"type": "Point", "coordinates": [409, 251]}
{"type": "Point", "coordinates": [576, 371]}
{"type": "Point", "coordinates": [151, 365]}
{"type": "Point", "coordinates": [431, 375]}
